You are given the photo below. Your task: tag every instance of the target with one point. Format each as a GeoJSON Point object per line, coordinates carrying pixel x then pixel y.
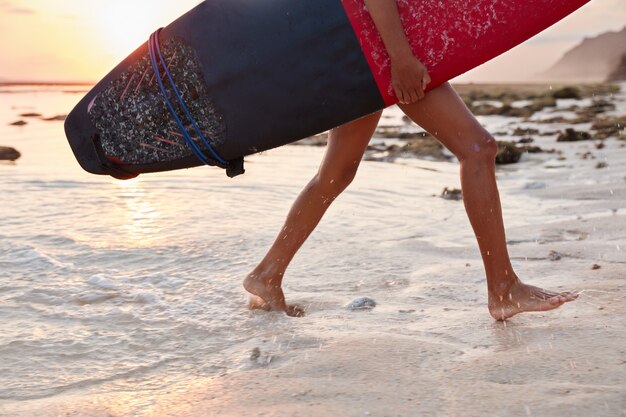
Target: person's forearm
{"type": "Point", "coordinates": [409, 77]}
{"type": "Point", "coordinates": [387, 19]}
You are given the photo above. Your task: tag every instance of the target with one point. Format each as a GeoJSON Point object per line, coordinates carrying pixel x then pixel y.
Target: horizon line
{"type": "Point", "coordinates": [19, 83]}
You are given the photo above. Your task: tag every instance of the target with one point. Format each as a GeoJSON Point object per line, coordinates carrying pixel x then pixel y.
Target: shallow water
{"type": "Point", "coordinates": [112, 285]}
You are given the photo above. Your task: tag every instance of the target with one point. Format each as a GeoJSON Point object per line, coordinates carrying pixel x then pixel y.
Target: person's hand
{"type": "Point", "coordinates": [409, 78]}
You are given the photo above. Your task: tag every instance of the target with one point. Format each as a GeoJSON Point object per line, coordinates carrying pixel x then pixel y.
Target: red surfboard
{"type": "Point", "coordinates": [234, 77]}
{"type": "Point", "coordinates": [453, 37]}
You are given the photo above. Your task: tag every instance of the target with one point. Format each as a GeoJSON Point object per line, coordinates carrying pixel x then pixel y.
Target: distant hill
{"type": "Point", "coordinates": [619, 73]}
{"type": "Point", "coordinates": [594, 59]}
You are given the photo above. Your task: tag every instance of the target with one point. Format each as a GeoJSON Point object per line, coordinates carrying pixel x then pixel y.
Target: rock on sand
{"type": "Point", "coordinates": [9, 154]}
{"type": "Point", "coordinates": [361, 303]}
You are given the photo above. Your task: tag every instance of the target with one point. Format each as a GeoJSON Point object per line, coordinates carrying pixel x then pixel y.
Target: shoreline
{"type": "Point", "coordinates": [429, 359]}
{"type": "Point", "coordinates": [429, 347]}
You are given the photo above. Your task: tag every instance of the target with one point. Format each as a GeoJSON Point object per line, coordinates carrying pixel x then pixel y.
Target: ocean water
{"type": "Point", "coordinates": [110, 285]}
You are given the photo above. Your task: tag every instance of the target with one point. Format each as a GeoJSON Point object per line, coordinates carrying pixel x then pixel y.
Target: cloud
{"type": "Point", "coordinates": [9, 7]}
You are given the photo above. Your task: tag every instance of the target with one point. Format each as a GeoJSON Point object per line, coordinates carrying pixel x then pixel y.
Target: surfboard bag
{"type": "Point", "coordinates": [234, 77]}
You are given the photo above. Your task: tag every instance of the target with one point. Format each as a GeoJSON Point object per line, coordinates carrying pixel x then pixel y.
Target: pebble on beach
{"type": "Point", "coordinates": [452, 194]}
{"type": "Point", "coordinates": [57, 118]}
{"type": "Point", "coordinates": [525, 131]}
{"type": "Point", "coordinates": [597, 107]}
{"type": "Point", "coordinates": [416, 145]}
{"type": "Point", "coordinates": [508, 153]}
{"type": "Point", "coordinates": [606, 127]}
{"type": "Point", "coordinates": [572, 135]}
{"type": "Point", "coordinates": [260, 359]}
{"type": "Point", "coordinates": [535, 185]}
{"type": "Point", "coordinates": [9, 154]}
{"type": "Point", "coordinates": [255, 354]}
{"type": "Point", "coordinates": [361, 303]}
{"type": "Point", "coordinates": [554, 255]}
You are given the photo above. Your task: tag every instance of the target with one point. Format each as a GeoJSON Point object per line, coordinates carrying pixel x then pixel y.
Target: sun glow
{"type": "Point", "coordinates": [123, 25]}
{"type": "Point", "coordinates": [139, 212]}
{"type": "Point", "coordinates": [76, 40]}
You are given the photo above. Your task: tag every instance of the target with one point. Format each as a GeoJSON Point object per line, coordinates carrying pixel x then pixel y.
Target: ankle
{"type": "Point", "coordinates": [502, 289]}
{"type": "Point", "coordinates": [267, 274]}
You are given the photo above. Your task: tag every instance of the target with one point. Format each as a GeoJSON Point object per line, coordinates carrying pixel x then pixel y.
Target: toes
{"type": "Point", "coordinates": [556, 300]}
{"type": "Point", "coordinates": [546, 295]}
{"type": "Point", "coordinates": [563, 298]}
{"type": "Point", "coordinates": [570, 295]}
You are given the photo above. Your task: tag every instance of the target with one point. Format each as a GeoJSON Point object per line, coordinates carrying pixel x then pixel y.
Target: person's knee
{"type": "Point", "coordinates": [481, 148]}
{"type": "Point", "coordinates": [336, 180]}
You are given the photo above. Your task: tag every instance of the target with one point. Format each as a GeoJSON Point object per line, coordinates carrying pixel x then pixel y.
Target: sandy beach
{"type": "Point", "coordinates": [190, 348]}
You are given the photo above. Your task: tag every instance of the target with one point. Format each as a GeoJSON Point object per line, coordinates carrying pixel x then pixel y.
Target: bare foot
{"type": "Point", "coordinates": [524, 298]}
{"type": "Point", "coordinates": [269, 296]}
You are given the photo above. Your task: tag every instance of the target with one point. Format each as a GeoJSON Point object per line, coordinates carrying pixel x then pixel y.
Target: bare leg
{"type": "Point", "coordinates": [346, 145]}
{"type": "Point", "coordinates": [444, 115]}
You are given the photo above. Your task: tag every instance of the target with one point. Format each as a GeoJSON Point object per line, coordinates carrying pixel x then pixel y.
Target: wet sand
{"type": "Point", "coordinates": [430, 348]}
{"type": "Point", "coordinates": [440, 356]}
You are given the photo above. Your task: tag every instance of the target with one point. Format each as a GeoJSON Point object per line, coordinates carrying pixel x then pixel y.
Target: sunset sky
{"type": "Point", "coordinates": [80, 40]}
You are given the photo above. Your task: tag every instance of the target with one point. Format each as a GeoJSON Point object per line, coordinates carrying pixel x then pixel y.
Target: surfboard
{"type": "Point", "coordinates": [231, 78]}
